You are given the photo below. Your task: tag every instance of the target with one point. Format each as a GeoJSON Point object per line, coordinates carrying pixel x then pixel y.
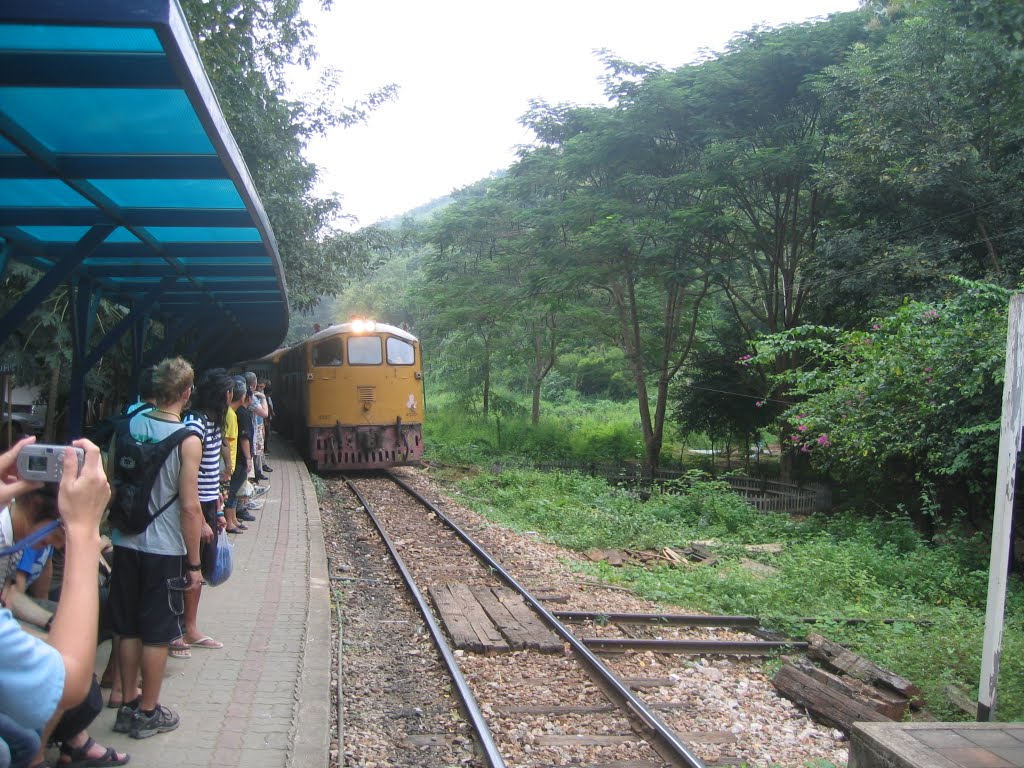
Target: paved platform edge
{"type": "Point", "coordinates": [312, 733]}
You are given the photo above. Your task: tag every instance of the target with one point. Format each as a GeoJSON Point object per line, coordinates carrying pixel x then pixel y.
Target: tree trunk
{"type": "Point", "coordinates": [487, 375]}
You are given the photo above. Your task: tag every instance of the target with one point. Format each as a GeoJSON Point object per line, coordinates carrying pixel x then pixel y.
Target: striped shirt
{"type": "Point", "coordinates": [209, 466]}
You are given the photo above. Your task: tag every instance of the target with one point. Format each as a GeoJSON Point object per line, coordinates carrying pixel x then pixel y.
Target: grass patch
{"type": "Point", "coordinates": [835, 567]}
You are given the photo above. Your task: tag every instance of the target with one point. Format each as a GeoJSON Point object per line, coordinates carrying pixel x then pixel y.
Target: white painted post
{"type": "Point", "coordinates": [1006, 478]}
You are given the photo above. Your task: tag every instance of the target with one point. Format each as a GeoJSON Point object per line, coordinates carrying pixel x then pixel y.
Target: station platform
{"type": "Point", "coordinates": [263, 700]}
{"type": "Point", "coordinates": [937, 745]}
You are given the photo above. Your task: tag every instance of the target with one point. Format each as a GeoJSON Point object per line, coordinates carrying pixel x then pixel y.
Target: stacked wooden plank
{"type": "Point", "coordinates": [850, 689]}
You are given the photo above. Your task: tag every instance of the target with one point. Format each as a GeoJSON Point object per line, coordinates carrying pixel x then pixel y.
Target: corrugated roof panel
{"type": "Point", "coordinates": [41, 37]}
{"type": "Point", "coordinates": [119, 121]}
{"type": "Point", "coordinates": [60, 234]}
{"type": "Point", "coordinates": [205, 234]}
{"type": "Point", "coordinates": [43, 193]}
{"type": "Point", "coordinates": [170, 193]}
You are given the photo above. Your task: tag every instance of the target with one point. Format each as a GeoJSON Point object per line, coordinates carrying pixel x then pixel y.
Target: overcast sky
{"type": "Point", "coordinates": [467, 69]}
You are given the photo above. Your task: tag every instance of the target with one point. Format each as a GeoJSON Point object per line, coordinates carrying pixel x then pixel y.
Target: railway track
{"type": "Point", "coordinates": [543, 700]}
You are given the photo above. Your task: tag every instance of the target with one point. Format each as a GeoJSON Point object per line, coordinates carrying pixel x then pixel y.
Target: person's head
{"type": "Point", "coordinates": [172, 381]}
{"type": "Point", "coordinates": [250, 379]}
{"type": "Point", "coordinates": [211, 394]}
{"type": "Point", "coordinates": [238, 390]}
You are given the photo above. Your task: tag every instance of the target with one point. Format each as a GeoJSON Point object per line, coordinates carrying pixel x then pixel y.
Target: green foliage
{"type": "Point", "coordinates": [913, 400]}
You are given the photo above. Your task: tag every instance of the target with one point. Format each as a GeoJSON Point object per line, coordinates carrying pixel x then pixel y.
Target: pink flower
{"type": "Point", "coordinates": [876, 327]}
{"type": "Point", "coordinates": [759, 404]}
{"type": "Point", "coordinates": [805, 449]}
{"type": "Point", "coordinates": [823, 440]}
{"type": "Point", "coordinates": [802, 428]}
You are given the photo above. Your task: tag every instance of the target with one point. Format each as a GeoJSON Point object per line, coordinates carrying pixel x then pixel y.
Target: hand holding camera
{"type": "Point", "coordinates": [83, 493]}
{"type": "Point", "coordinates": [11, 484]}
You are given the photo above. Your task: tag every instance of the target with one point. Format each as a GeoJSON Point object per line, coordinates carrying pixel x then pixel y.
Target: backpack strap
{"type": "Point", "coordinates": [174, 441]}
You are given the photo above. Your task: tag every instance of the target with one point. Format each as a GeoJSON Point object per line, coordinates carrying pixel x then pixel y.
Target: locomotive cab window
{"type": "Point", "coordinates": [327, 352]}
{"type": "Point", "coordinates": [364, 350]}
{"type": "Point", "coordinates": [400, 352]}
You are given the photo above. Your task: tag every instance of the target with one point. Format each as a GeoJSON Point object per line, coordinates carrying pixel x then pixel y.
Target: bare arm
{"type": "Point", "coordinates": [82, 499]}
{"type": "Point", "coordinates": [192, 521]}
{"type": "Point", "coordinates": [259, 406]}
{"type": "Point", "coordinates": [24, 608]}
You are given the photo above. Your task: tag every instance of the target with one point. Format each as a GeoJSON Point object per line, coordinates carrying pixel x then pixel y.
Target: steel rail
{"type": "Point", "coordinates": [664, 740]}
{"type": "Point", "coordinates": [486, 739]}
{"type": "Point", "coordinates": [709, 647]}
{"type": "Point", "coordinates": [659, 619]}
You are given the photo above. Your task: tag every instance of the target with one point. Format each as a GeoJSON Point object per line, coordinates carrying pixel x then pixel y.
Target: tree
{"type": "Point", "coordinates": [246, 47]}
{"type": "Point", "coordinates": [619, 217]}
{"type": "Point", "coordinates": [910, 403]}
{"type": "Point", "coordinates": [926, 158]}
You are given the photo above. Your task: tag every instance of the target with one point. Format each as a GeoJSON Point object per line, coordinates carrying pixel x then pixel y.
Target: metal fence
{"type": "Point", "coordinates": [763, 494]}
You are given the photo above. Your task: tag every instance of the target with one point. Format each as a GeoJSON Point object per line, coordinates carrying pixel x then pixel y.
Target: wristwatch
{"type": "Point", "coordinates": [196, 567]}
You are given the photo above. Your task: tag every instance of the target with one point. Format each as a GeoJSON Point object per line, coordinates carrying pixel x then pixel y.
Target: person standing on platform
{"type": "Point", "coordinates": [153, 568]}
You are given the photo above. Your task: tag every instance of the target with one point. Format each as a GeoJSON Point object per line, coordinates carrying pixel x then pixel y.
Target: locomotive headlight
{"type": "Point", "coordinates": [364, 326]}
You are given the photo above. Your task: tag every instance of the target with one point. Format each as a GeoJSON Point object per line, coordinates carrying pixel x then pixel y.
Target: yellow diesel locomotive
{"type": "Point", "coordinates": [351, 396]}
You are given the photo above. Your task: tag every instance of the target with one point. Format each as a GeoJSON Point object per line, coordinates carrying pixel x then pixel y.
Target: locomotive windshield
{"type": "Point", "coordinates": [364, 350]}
{"type": "Point", "coordinates": [400, 352]}
{"type": "Point", "coordinates": [327, 352]}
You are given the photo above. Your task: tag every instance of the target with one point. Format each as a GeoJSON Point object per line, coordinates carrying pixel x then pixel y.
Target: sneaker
{"type": "Point", "coordinates": [246, 516]}
{"type": "Point", "coordinates": [257, 492]}
{"type": "Point", "coordinates": [123, 723]}
{"type": "Point", "coordinates": [161, 721]}
{"type": "Point", "coordinates": [256, 505]}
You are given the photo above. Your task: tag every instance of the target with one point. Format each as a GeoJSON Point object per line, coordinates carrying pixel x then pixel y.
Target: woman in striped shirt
{"type": "Point", "coordinates": [209, 403]}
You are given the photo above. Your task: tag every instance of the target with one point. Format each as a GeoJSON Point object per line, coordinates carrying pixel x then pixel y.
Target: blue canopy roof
{"type": "Point", "coordinates": [118, 171]}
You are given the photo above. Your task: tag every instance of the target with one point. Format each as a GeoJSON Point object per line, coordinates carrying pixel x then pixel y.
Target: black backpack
{"type": "Point", "coordinates": [136, 467]}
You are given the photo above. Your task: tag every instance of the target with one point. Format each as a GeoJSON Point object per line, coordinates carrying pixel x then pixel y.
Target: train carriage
{"type": "Point", "coordinates": [351, 396]}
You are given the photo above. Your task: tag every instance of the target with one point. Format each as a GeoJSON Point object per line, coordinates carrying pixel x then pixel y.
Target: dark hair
{"type": "Point", "coordinates": [41, 503]}
{"type": "Point", "coordinates": [208, 397]}
{"type": "Point", "coordinates": [237, 388]}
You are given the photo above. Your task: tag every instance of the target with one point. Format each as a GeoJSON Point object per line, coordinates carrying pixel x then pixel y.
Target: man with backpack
{"type": "Point", "coordinates": [158, 525]}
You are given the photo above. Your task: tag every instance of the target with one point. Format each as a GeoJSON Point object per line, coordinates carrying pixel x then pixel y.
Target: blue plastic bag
{"type": "Point", "coordinates": [224, 562]}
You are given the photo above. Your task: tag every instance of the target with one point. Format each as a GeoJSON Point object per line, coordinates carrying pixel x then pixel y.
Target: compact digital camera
{"type": "Point", "coordinates": [45, 462]}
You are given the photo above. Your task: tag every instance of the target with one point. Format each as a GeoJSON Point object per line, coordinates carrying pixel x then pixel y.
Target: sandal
{"type": "Point", "coordinates": [233, 530]}
{"type": "Point", "coordinates": [179, 651]}
{"type": "Point", "coordinates": [206, 642]}
{"type": "Point", "coordinates": [78, 757]}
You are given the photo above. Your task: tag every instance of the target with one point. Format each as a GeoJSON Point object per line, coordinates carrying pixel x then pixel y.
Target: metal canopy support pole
{"type": "Point", "coordinates": [1006, 479]}
{"type": "Point", "coordinates": [60, 271]}
{"type": "Point", "coordinates": [84, 305]}
{"type": "Point", "coordinates": [139, 325]}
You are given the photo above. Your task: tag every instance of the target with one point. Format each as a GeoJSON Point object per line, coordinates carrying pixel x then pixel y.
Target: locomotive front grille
{"type": "Point", "coordinates": [366, 394]}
